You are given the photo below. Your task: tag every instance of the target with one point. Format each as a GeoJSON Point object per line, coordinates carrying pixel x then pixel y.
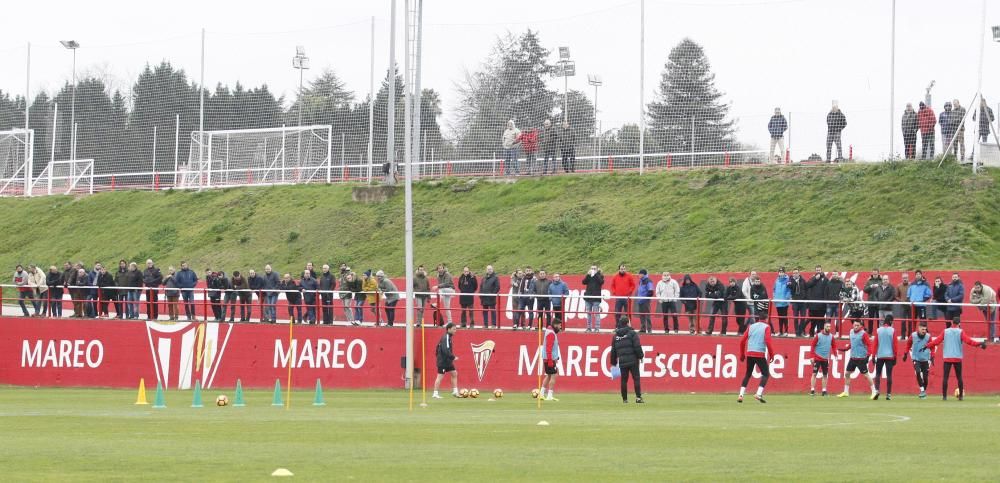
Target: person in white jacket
{"type": "Point", "coordinates": [36, 280]}
{"type": "Point", "coordinates": [746, 292]}
{"type": "Point", "coordinates": [667, 291]}
{"type": "Point", "coordinates": [511, 141]}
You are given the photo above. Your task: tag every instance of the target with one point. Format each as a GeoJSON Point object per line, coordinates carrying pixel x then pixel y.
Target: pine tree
{"type": "Point", "coordinates": [689, 106]}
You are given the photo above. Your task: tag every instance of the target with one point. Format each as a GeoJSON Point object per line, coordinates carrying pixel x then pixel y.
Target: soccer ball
{"type": "Point", "coordinates": [473, 393]}
{"type": "Point", "coordinates": [498, 393]}
{"type": "Point", "coordinates": [957, 392]}
{"type": "Point", "coordinates": [222, 400]}
{"type": "Point", "coordinates": [463, 393]}
{"type": "Point", "coordinates": [535, 393]}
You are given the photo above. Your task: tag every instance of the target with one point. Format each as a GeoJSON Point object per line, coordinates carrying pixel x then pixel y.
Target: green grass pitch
{"type": "Point", "coordinates": [98, 434]}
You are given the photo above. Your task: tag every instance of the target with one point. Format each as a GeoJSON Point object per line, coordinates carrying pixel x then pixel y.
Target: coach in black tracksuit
{"type": "Point", "coordinates": [626, 352]}
{"type": "Point", "coordinates": [446, 361]}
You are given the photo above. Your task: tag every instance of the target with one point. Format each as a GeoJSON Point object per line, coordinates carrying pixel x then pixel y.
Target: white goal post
{"type": "Point", "coordinates": [16, 156]}
{"type": "Point", "coordinates": [243, 157]}
{"type": "Point", "coordinates": [65, 177]}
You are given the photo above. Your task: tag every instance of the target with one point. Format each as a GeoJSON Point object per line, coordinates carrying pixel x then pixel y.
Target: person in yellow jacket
{"type": "Point", "coordinates": [369, 286]}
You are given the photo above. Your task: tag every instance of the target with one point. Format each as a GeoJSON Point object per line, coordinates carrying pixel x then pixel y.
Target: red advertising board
{"type": "Point", "coordinates": [103, 353]}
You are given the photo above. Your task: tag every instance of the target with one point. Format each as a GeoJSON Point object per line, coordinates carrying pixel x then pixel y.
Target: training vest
{"type": "Point", "coordinates": [755, 339]}
{"type": "Point", "coordinates": [858, 348]}
{"type": "Point", "coordinates": [554, 356]}
{"type": "Point", "coordinates": [886, 341]}
{"type": "Point", "coordinates": [918, 350]}
{"type": "Point", "coordinates": [824, 345]}
{"type": "Point", "coordinates": [953, 343]}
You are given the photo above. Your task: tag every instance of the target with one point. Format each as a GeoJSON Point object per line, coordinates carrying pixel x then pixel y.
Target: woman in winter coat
{"type": "Point", "coordinates": [689, 293]}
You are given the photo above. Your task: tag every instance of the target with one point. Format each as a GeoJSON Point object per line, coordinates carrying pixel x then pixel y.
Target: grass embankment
{"type": "Point", "coordinates": [896, 216]}
{"type": "Point", "coordinates": [98, 434]}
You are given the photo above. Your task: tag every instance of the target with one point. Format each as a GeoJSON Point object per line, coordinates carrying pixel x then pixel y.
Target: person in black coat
{"type": "Point", "coordinates": [293, 294]}
{"type": "Point", "coordinates": [446, 361]}
{"type": "Point", "coordinates": [106, 294]}
{"type": "Point", "coordinates": [734, 294]}
{"type": "Point", "coordinates": [593, 283]}
{"type": "Point", "coordinates": [816, 293]}
{"type": "Point", "coordinates": [54, 279]}
{"type": "Point", "coordinates": [715, 291]}
{"type": "Point", "coordinates": [835, 124]}
{"type": "Point", "coordinates": [327, 284]}
{"type": "Point", "coordinates": [626, 353]}
{"type": "Point", "coordinates": [488, 290]}
{"type": "Point", "coordinates": [467, 286]}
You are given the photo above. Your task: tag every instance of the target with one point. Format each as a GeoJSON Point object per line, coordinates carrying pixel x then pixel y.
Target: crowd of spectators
{"type": "Point", "coordinates": [798, 303]}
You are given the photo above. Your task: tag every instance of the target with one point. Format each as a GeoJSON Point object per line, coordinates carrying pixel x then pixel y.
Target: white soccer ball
{"type": "Point", "coordinates": [473, 393]}
{"type": "Point", "coordinates": [498, 393]}
{"type": "Point", "coordinates": [535, 393]}
{"type": "Point", "coordinates": [222, 400]}
{"type": "Point", "coordinates": [463, 393]}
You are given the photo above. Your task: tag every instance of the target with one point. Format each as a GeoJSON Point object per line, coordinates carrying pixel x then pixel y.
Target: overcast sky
{"type": "Point", "coordinates": [797, 54]}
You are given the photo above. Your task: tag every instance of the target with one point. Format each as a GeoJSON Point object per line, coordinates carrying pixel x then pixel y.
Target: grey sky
{"type": "Point", "coordinates": [797, 54]}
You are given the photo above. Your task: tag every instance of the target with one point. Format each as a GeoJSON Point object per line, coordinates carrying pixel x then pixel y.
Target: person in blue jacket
{"type": "Point", "coordinates": [645, 294]}
{"type": "Point", "coordinates": [954, 295]}
{"type": "Point", "coordinates": [782, 293]}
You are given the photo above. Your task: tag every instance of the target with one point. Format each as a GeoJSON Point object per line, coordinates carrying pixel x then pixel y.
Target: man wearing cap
{"type": "Point", "coordinates": [391, 294]}
{"type": "Point", "coordinates": [645, 293]}
{"type": "Point", "coordinates": [777, 127]}
{"type": "Point", "coordinates": [550, 357]}
{"type": "Point", "coordinates": [446, 361]}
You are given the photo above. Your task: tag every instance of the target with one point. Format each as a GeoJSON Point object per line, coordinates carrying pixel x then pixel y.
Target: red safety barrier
{"type": "Point", "coordinates": [112, 182]}
{"type": "Point", "coordinates": [449, 168]}
{"type": "Point", "coordinates": [788, 156]}
{"type": "Point", "coordinates": [611, 163]}
{"type": "Point", "coordinates": [850, 152]}
{"type": "Point", "coordinates": [249, 177]}
{"type": "Point", "coordinates": [670, 161]}
{"type": "Point", "coordinates": [343, 173]}
{"type": "Point", "coordinates": [105, 353]}
{"type": "Point", "coordinates": [727, 160]}
{"type": "Point", "coordinates": [156, 182]}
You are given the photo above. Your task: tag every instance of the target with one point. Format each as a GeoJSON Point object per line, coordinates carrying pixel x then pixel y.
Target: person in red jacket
{"type": "Point", "coordinates": [622, 287]}
{"type": "Point", "coordinates": [529, 141]}
{"type": "Point", "coordinates": [926, 122]}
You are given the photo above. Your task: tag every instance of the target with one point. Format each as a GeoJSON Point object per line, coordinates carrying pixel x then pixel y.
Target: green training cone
{"type": "Point", "coordinates": [318, 398]}
{"type": "Point", "coordinates": [238, 399]}
{"type": "Point", "coordinates": [160, 402]}
{"type": "Point", "coordinates": [196, 401]}
{"type": "Point", "coordinates": [277, 401]}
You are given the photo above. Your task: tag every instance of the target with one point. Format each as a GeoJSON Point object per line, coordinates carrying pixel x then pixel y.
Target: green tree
{"type": "Point", "coordinates": [509, 85]}
{"type": "Point", "coordinates": [688, 114]}
{"type": "Point", "coordinates": [581, 116]}
{"type": "Point", "coordinates": [160, 94]}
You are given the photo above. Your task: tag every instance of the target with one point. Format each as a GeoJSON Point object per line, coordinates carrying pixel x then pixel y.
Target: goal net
{"type": "Point", "coordinates": [16, 149]}
{"type": "Point", "coordinates": [243, 157]}
{"type": "Point", "coordinates": [65, 177]}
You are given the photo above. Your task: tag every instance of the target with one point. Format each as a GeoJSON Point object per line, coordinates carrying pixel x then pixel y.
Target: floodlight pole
{"type": "Point", "coordinates": [390, 107]}
{"type": "Point", "coordinates": [642, 84]}
{"type": "Point", "coordinates": [300, 62]}
{"type": "Point", "coordinates": [371, 103]}
{"type": "Point", "coordinates": [72, 45]}
{"type": "Point", "coordinates": [979, 86]}
{"type": "Point", "coordinates": [892, 86]}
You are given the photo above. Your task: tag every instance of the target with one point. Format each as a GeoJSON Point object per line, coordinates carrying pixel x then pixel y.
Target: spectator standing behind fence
{"type": "Point", "coordinates": [511, 140]}
{"type": "Point", "coordinates": [926, 122]}
{"type": "Point", "coordinates": [529, 141]}
{"type": "Point", "coordinates": [901, 310]}
{"type": "Point", "coordinates": [309, 286]}
{"type": "Point", "coordinates": [777, 127]}
{"type": "Point", "coordinates": [38, 285]}
{"type": "Point", "coordinates": [105, 284]}
{"type": "Point", "coordinates": [515, 297]}
{"type": "Point", "coordinates": [186, 280]}
{"type": "Point", "coordinates": [985, 118]}
{"type": "Point", "coordinates": [391, 295]}
{"type": "Point", "coordinates": [271, 281]}
{"type": "Point", "coordinates": [293, 296]}
{"type": "Point", "coordinates": [938, 292]}
{"type": "Point", "coordinates": [120, 295]}
{"type": "Point", "coordinates": [851, 297]}
{"type": "Point", "coordinates": [947, 124]}
{"type": "Point", "coordinates": [526, 300]}
{"type": "Point", "coordinates": [421, 293]}
{"type": "Point", "coordinates": [954, 295]}
{"type": "Point", "coordinates": [667, 291]}
{"type": "Point", "coordinates": [327, 284]}
{"type": "Point", "coordinates": [171, 293]}
{"type": "Point", "coordinates": [797, 289]}
{"type": "Point", "coordinates": [909, 124]}
{"type": "Point", "coordinates": [256, 285]}
{"type": "Point", "coordinates": [874, 280]}
{"type": "Point", "coordinates": [715, 292]}
{"type": "Point", "coordinates": [958, 116]}
{"type": "Point", "coordinates": [558, 290]}
{"type": "Point", "coordinates": [690, 292]}
{"type": "Point", "coordinates": [917, 294]}
{"type": "Point", "coordinates": [984, 296]}
{"type": "Point", "coordinates": [446, 288]}
{"type": "Point", "coordinates": [92, 294]}
{"type": "Point", "coordinates": [543, 305]}
{"type": "Point", "coordinates": [370, 286]}
{"type": "Point", "coordinates": [467, 287]}
{"type": "Point", "coordinates": [54, 281]}
{"type": "Point", "coordinates": [134, 278]}
{"type": "Point", "coordinates": [347, 297]}
{"type": "Point", "coordinates": [645, 291]}
{"type": "Point", "coordinates": [24, 290]}
{"type": "Point", "coordinates": [835, 124]}
{"type": "Point", "coordinates": [352, 284]}
{"type": "Point", "coordinates": [622, 287]}
{"type": "Point", "coordinates": [567, 148]}
{"type": "Point", "coordinates": [232, 296]}
{"type": "Point", "coordinates": [489, 290]}
{"type": "Point", "coordinates": [734, 295]}
{"type": "Point", "coordinates": [782, 294]}
{"type": "Point", "coordinates": [745, 287]}
{"type": "Point", "coordinates": [593, 283]}
{"type": "Point", "coordinates": [549, 139]}
{"type": "Point", "coordinates": [883, 292]}
{"type": "Point", "coordinates": [79, 292]}
{"type": "Point", "coordinates": [152, 278]}
{"type": "Point", "coordinates": [816, 293]}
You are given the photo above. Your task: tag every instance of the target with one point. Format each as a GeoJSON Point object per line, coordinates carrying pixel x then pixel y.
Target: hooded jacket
{"type": "Point", "coordinates": [690, 290]}
{"type": "Point", "coordinates": [626, 351]}
{"type": "Point", "coordinates": [781, 291]}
